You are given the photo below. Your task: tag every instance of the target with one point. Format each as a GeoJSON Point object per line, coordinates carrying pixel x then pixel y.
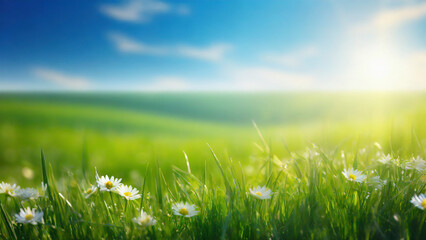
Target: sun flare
{"type": "Point", "coordinates": [376, 66]}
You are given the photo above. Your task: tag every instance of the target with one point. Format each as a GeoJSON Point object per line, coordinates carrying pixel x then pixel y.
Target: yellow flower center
{"type": "Point", "coordinates": [108, 184]}
{"type": "Point", "coordinates": [351, 176]}
{"type": "Point", "coordinates": [127, 194]}
{"type": "Point", "coordinates": [424, 203]}
{"type": "Point", "coordinates": [89, 191]}
{"type": "Point", "coordinates": [183, 211]}
{"type": "Point", "coordinates": [144, 220]}
{"type": "Point", "coordinates": [9, 191]}
{"type": "Point", "coordinates": [29, 216]}
{"type": "Point", "coordinates": [258, 194]}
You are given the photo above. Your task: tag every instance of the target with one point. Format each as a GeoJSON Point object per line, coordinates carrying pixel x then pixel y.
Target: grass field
{"type": "Point", "coordinates": [142, 139]}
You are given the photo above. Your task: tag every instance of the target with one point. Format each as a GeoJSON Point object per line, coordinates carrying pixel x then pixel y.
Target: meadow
{"type": "Point", "coordinates": [212, 150]}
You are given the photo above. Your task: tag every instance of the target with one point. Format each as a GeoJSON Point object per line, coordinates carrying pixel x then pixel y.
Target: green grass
{"type": "Point", "coordinates": [141, 138]}
{"type": "Point", "coordinates": [126, 131]}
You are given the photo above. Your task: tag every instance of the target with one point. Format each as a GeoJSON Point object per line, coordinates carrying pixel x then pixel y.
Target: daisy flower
{"type": "Point", "coordinates": [144, 219]}
{"type": "Point", "coordinates": [386, 159]}
{"type": "Point", "coordinates": [419, 201]}
{"type": "Point", "coordinates": [184, 209]}
{"type": "Point", "coordinates": [416, 163]}
{"type": "Point", "coordinates": [9, 189]}
{"type": "Point", "coordinates": [108, 184]}
{"type": "Point", "coordinates": [261, 192]}
{"type": "Point", "coordinates": [376, 182]}
{"type": "Point", "coordinates": [91, 190]}
{"type": "Point", "coordinates": [27, 194]}
{"type": "Point", "coordinates": [354, 175]}
{"type": "Point", "coordinates": [128, 192]}
{"type": "Point", "coordinates": [26, 215]}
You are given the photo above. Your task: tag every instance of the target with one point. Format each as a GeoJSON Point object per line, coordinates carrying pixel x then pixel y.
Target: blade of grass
{"type": "Point", "coordinates": [143, 186]}
{"type": "Point", "coordinates": [44, 172]}
{"type": "Point", "coordinates": [7, 223]}
{"type": "Point", "coordinates": [227, 185]}
{"type": "Point", "coordinates": [84, 161]}
{"type": "Point", "coordinates": [187, 162]}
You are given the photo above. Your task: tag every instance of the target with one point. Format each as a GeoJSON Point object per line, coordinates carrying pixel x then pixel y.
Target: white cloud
{"type": "Point", "coordinates": [53, 76]}
{"type": "Point", "coordinates": [183, 10]}
{"type": "Point", "coordinates": [141, 11]}
{"type": "Point", "coordinates": [292, 59]}
{"type": "Point", "coordinates": [212, 53]}
{"type": "Point", "coordinates": [265, 78]}
{"type": "Point", "coordinates": [126, 44]}
{"type": "Point", "coordinates": [390, 19]}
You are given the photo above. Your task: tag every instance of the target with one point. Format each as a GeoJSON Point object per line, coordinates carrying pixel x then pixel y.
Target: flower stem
{"type": "Point", "coordinates": [112, 201]}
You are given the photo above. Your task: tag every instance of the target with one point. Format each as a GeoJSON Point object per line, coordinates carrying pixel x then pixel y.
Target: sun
{"type": "Point", "coordinates": [375, 66]}
{"type": "Point", "coordinates": [379, 66]}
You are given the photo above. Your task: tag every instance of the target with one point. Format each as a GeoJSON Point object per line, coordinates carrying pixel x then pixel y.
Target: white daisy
{"type": "Point", "coordinates": [144, 219]}
{"type": "Point", "coordinates": [261, 192]}
{"type": "Point", "coordinates": [9, 189]}
{"type": "Point", "coordinates": [419, 201]}
{"type": "Point", "coordinates": [354, 175]}
{"type": "Point", "coordinates": [386, 159]}
{"type": "Point", "coordinates": [416, 163]}
{"type": "Point", "coordinates": [26, 215]}
{"type": "Point", "coordinates": [108, 184]}
{"type": "Point", "coordinates": [128, 192]}
{"type": "Point", "coordinates": [184, 209]}
{"type": "Point", "coordinates": [28, 194]}
{"type": "Point", "coordinates": [91, 190]}
{"type": "Point", "coordinates": [376, 182]}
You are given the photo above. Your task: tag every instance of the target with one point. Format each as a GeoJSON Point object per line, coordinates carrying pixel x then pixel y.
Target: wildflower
{"type": "Point", "coordinates": [376, 182]}
{"type": "Point", "coordinates": [128, 192]}
{"type": "Point", "coordinates": [27, 193]}
{"type": "Point", "coordinates": [416, 163]}
{"type": "Point", "coordinates": [26, 215]}
{"type": "Point", "coordinates": [354, 175]}
{"type": "Point", "coordinates": [91, 190]}
{"type": "Point", "coordinates": [385, 159]}
{"type": "Point", "coordinates": [419, 201]}
{"type": "Point", "coordinates": [9, 189]}
{"type": "Point", "coordinates": [108, 184]}
{"type": "Point", "coordinates": [144, 219]}
{"type": "Point", "coordinates": [184, 209]}
{"type": "Point", "coordinates": [261, 192]}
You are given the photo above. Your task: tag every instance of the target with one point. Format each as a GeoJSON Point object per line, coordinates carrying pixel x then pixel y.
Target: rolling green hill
{"type": "Point", "coordinates": [120, 133]}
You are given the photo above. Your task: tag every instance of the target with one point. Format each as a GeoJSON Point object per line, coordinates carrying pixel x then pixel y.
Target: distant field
{"type": "Point", "coordinates": [121, 133]}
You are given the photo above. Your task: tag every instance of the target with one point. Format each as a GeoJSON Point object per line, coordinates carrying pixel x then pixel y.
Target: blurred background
{"type": "Point", "coordinates": [124, 83]}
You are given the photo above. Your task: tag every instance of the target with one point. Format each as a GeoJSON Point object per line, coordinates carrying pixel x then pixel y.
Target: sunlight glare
{"type": "Point", "coordinates": [376, 67]}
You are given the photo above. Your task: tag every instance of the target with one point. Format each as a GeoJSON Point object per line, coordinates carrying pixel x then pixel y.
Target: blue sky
{"type": "Point", "coordinates": [217, 45]}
